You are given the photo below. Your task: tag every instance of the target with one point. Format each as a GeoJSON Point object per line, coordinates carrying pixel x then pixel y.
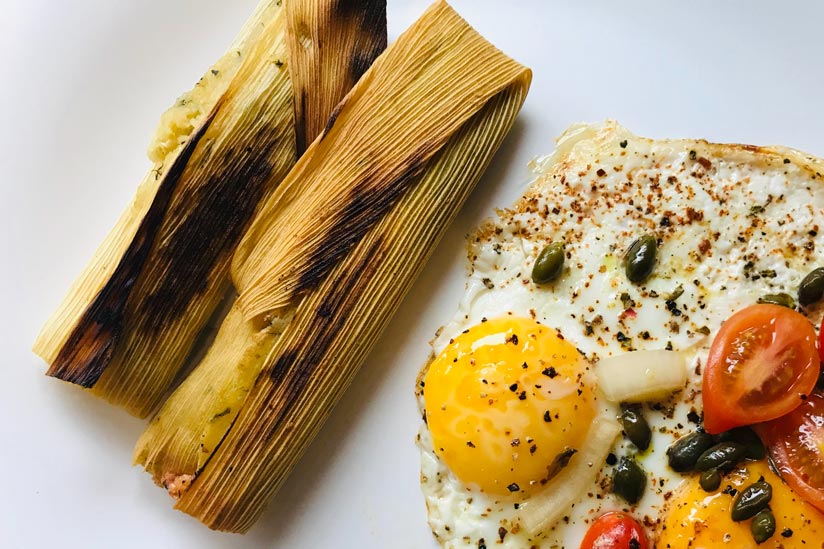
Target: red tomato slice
{"type": "Point", "coordinates": [761, 363]}
{"type": "Point", "coordinates": [821, 341]}
{"type": "Point", "coordinates": [615, 530]}
{"type": "Point", "coordinates": [796, 443]}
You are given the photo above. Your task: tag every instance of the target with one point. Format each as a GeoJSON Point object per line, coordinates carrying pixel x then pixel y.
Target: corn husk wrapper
{"type": "Point", "coordinates": [328, 263]}
{"type": "Point", "coordinates": [135, 334]}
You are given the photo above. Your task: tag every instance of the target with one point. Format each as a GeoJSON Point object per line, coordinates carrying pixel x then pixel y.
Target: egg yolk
{"type": "Point", "coordinates": [699, 520]}
{"type": "Point", "coordinates": [507, 405]}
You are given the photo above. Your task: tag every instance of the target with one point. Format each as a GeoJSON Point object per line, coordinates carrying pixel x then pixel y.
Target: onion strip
{"type": "Point", "coordinates": [640, 376]}
{"type": "Point", "coordinates": [546, 508]}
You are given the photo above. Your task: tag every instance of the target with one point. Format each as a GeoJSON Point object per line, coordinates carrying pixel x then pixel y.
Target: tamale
{"type": "Point", "coordinates": [136, 333]}
{"type": "Point", "coordinates": [395, 163]}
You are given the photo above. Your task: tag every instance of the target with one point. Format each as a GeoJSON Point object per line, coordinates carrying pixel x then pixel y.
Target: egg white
{"type": "Point", "coordinates": [741, 222]}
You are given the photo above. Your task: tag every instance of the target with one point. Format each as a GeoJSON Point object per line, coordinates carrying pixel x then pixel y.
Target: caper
{"type": "Point", "coordinates": [710, 480]}
{"type": "Point", "coordinates": [811, 288]}
{"type": "Point", "coordinates": [685, 451]}
{"type": "Point", "coordinates": [747, 437]}
{"type": "Point", "coordinates": [723, 456]}
{"type": "Point", "coordinates": [762, 526]}
{"type": "Point", "coordinates": [629, 480]}
{"type": "Point", "coordinates": [751, 500]}
{"type": "Point", "coordinates": [785, 300]}
{"type": "Point", "coordinates": [549, 265]}
{"type": "Point", "coordinates": [635, 426]}
{"type": "Point", "coordinates": [640, 259]}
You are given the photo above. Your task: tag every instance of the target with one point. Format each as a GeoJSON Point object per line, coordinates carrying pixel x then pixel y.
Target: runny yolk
{"type": "Point", "coordinates": [507, 405]}
{"type": "Point", "coordinates": [700, 520]}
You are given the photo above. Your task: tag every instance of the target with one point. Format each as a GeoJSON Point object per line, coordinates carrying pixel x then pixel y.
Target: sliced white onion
{"type": "Point", "coordinates": [640, 376]}
{"type": "Point", "coordinates": [567, 487]}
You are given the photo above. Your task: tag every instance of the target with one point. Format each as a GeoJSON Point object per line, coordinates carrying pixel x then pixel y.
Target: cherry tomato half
{"type": "Point", "coordinates": [821, 341]}
{"type": "Point", "coordinates": [615, 530]}
{"type": "Point", "coordinates": [796, 443]}
{"type": "Point", "coordinates": [761, 362]}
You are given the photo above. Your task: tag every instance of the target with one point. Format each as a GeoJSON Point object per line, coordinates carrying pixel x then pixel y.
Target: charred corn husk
{"type": "Point", "coordinates": [130, 329]}
{"type": "Point", "coordinates": [327, 263]}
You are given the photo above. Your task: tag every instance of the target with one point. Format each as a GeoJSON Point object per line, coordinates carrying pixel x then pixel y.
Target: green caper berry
{"type": "Point", "coordinates": [710, 480]}
{"type": "Point", "coordinates": [811, 288]}
{"type": "Point", "coordinates": [628, 480]}
{"type": "Point", "coordinates": [751, 500]}
{"type": "Point", "coordinates": [723, 456]}
{"type": "Point", "coordinates": [550, 264]}
{"type": "Point", "coordinates": [685, 451]}
{"type": "Point", "coordinates": [640, 259]}
{"type": "Point", "coordinates": [747, 437]}
{"type": "Point", "coordinates": [785, 300]}
{"type": "Point", "coordinates": [636, 427]}
{"type": "Point", "coordinates": [762, 526]}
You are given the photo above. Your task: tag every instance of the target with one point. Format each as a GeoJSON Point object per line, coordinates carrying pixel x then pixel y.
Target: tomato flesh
{"type": "Point", "coordinates": [796, 443]}
{"type": "Point", "coordinates": [821, 342]}
{"type": "Point", "coordinates": [615, 530]}
{"type": "Point", "coordinates": [761, 363]}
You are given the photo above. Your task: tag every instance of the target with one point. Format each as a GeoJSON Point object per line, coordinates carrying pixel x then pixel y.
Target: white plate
{"type": "Point", "coordinates": [83, 83]}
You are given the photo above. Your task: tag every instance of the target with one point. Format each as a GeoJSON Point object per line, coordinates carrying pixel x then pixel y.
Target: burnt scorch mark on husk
{"type": "Point", "coordinates": [368, 203]}
{"type": "Point", "coordinates": [207, 219]}
{"type": "Point", "coordinates": [89, 348]}
{"type": "Point", "coordinates": [371, 15]}
{"type": "Point", "coordinates": [296, 364]}
{"type": "Point", "coordinates": [333, 118]}
{"type": "Point", "coordinates": [300, 122]}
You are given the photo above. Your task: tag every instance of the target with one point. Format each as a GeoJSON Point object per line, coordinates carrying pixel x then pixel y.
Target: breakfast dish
{"type": "Point", "coordinates": [594, 307]}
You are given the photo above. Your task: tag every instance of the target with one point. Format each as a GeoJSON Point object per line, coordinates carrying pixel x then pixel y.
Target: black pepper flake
{"type": "Point", "coordinates": [513, 387]}
{"type": "Point", "coordinates": [533, 448]}
{"type": "Point", "coordinates": [517, 506]}
{"type": "Point", "coordinates": [665, 221]}
{"type": "Point", "coordinates": [515, 442]}
{"type": "Point", "coordinates": [278, 63]}
{"type": "Point", "coordinates": [522, 396]}
{"type": "Point", "coordinates": [601, 172]}
{"type": "Point", "coordinates": [215, 72]}
{"type": "Point", "coordinates": [623, 144]}
{"type": "Point", "coordinates": [621, 337]}
{"type": "Point", "coordinates": [612, 459]}
{"type": "Point", "coordinates": [470, 444]}
{"type": "Point", "coordinates": [502, 531]}
{"type": "Point", "coordinates": [786, 533]}
{"type": "Point", "coordinates": [693, 417]}
{"type": "Point", "coordinates": [669, 346]}
{"type": "Point", "coordinates": [547, 417]}
{"type": "Point", "coordinates": [786, 161]}
{"type": "Point", "coordinates": [634, 544]}
{"type": "Point", "coordinates": [672, 307]}
{"type": "Point", "coordinates": [488, 283]}
{"type": "Point", "coordinates": [513, 487]}
{"type": "Point", "coordinates": [692, 155]}
{"type": "Point", "coordinates": [550, 372]}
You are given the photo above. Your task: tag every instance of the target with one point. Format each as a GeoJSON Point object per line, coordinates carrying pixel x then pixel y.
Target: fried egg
{"type": "Point", "coordinates": [509, 395]}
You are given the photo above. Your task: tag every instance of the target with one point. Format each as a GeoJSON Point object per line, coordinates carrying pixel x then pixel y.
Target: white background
{"type": "Point", "coordinates": [82, 84]}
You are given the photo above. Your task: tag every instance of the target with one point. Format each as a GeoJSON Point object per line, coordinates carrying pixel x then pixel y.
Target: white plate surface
{"type": "Point", "coordinates": [82, 84]}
